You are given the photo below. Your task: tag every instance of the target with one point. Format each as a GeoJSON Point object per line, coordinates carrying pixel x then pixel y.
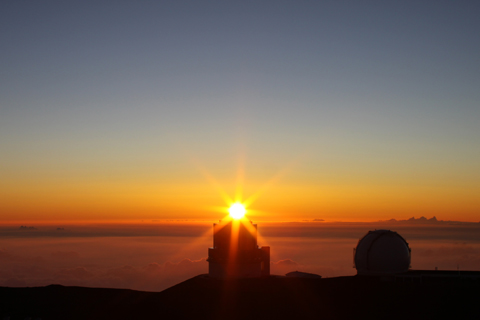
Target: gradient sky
{"type": "Point", "coordinates": [336, 110]}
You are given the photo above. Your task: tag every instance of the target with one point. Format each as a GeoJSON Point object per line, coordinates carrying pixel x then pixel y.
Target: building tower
{"type": "Point", "coordinates": [235, 252]}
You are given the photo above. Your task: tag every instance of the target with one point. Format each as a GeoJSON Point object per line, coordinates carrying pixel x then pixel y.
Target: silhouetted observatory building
{"type": "Point", "coordinates": [235, 252]}
{"type": "Point", "coordinates": [382, 253]}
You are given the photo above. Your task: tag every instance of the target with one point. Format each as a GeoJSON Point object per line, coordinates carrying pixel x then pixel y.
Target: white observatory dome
{"type": "Point", "coordinates": [382, 252]}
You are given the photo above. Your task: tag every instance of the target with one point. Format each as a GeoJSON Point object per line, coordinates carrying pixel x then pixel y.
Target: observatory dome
{"type": "Point", "coordinates": [382, 252]}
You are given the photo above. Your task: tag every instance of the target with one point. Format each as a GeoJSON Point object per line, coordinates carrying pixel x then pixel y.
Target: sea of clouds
{"type": "Point", "coordinates": [154, 256]}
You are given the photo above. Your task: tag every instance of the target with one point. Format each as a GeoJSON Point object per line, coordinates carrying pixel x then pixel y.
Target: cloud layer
{"type": "Point", "coordinates": [155, 262]}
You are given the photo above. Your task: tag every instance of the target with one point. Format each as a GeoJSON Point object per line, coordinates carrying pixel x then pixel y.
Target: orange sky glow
{"type": "Point", "coordinates": [315, 111]}
{"type": "Point", "coordinates": [278, 199]}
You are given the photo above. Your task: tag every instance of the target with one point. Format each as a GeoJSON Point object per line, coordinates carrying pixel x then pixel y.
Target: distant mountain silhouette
{"type": "Point", "coordinates": [262, 298]}
{"type": "Point", "coordinates": [423, 220]}
{"type": "Point", "coordinates": [27, 228]}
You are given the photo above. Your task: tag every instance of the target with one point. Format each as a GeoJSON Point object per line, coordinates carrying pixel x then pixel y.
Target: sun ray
{"type": "Point", "coordinates": [276, 177]}
{"type": "Point", "coordinates": [236, 208]}
{"type": "Point", "coordinates": [247, 223]}
{"type": "Point", "coordinates": [214, 183]}
{"type": "Point", "coordinates": [220, 209]}
{"type": "Point", "coordinates": [234, 244]}
{"type": "Point", "coordinates": [182, 253]}
{"type": "Point", "coordinates": [240, 180]}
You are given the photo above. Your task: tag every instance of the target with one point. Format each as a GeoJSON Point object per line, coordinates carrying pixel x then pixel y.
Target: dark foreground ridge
{"type": "Point", "coordinates": [263, 298]}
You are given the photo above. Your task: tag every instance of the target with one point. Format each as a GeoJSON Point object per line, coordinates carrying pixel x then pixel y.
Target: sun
{"type": "Point", "coordinates": [237, 210]}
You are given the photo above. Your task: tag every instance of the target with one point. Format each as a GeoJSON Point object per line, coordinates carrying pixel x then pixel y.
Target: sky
{"type": "Point", "coordinates": [335, 110]}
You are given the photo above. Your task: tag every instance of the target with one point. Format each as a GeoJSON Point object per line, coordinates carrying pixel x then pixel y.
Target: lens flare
{"type": "Point", "coordinates": [237, 210]}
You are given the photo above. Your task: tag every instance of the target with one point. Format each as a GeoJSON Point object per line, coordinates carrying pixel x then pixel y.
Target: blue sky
{"type": "Point", "coordinates": [372, 93]}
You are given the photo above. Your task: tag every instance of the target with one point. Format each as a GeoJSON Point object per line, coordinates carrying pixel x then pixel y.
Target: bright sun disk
{"type": "Point", "coordinates": [237, 211]}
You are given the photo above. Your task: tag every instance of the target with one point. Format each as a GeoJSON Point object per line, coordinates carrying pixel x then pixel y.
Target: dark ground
{"type": "Point", "coordinates": [265, 298]}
